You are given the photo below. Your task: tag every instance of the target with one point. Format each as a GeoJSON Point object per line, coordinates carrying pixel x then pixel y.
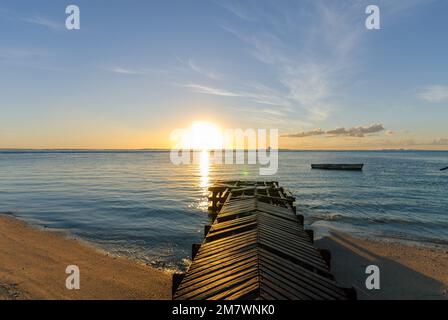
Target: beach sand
{"type": "Point", "coordinates": [406, 271]}
{"type": "Point", "coordinates": [33, 263]}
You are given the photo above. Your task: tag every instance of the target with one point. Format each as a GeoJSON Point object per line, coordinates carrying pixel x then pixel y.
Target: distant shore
{"type": "Point", "coordinates": [406, 271]}
{"type": "Point", "coordinates": [33, 264]}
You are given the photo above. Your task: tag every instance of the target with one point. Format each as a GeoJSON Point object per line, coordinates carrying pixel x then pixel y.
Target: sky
{"type": "Point", "coordinates": [137, 70]}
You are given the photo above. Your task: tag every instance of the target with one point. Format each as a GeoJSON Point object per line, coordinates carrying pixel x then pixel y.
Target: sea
{"type": "Point", "coordinates": [137, 203]}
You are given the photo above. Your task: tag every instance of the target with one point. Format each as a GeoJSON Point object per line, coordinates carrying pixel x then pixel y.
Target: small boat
{"type": "Point", "coordinates": [446, 168]}
{"type": "Point", "coordinates": [338, 166]}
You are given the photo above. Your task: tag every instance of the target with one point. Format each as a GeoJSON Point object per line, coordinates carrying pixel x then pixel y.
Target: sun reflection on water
{"type": "Point", "coordinates": [204, 179]}
{"type": "Point", "coordinates": [204, 167]}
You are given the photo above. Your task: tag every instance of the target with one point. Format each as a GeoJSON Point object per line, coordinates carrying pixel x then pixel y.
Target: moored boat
{"type": "Point", "coordinates": [338, 166]}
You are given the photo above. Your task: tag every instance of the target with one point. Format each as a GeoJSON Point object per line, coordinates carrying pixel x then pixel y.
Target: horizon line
{"type": "Point", "coordinates": [168, 149]}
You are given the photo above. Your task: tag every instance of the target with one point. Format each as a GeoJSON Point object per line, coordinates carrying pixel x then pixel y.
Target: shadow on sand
{"type": "Point", "coordinates": [397, 282]}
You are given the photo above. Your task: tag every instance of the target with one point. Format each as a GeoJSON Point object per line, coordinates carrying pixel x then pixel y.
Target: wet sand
{"type": "Point", "coordinates": [406, 271]}
{"type": "Point", "coordinates": [33, 263]}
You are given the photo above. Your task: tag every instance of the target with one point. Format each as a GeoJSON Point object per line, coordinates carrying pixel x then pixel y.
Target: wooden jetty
{"type": "Point", "coordinates": [338, 166]}
{"type": "Point", "coordinates": [256, 248]}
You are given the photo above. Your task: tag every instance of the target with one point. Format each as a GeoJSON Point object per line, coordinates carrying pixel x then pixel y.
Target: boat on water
{"type": "Point", "coordinates": [443, 169]}
{"type": "Point", "coordinates": [338, 166]}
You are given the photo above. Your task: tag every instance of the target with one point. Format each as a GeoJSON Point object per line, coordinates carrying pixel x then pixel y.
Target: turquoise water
{"type": "Point", "coordinates": [139, 204]}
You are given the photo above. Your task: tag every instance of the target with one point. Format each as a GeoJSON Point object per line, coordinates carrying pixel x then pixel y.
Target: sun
{"type": "Point", "coordinates": [202, 135]}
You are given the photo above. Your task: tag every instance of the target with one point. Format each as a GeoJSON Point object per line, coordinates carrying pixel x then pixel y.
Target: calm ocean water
{"type": "Point", "coordinates": [138, 204]}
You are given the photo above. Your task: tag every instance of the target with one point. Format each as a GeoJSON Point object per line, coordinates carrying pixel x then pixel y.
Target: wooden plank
{"type": "Point", "coordinates": [198, 267]}
{"type": "Point", "coordinates": [217, 272]}
{"type": "Point", "coordinates": [302, 274]}
{"type": "Point", "coordinates": [221, 264]}
{"type": "Point", "coordinates": [240, 292]}
{"type": "Point", "coordinates": [229, 231]}
{"type": "Point", "coordinates": [295, 256]}
{"type": "Point", "coordinates": [216, 285]}
{"type": "Point", "coordinates": [228, 285]}
{"type": "Point", "coordinates": [211, 256]}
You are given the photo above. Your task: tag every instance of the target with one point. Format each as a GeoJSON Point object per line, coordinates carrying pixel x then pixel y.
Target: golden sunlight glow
{"type": "Point", "coordinates": [202, 136]}
{"type": "Point", "coordinates": [204, 166]}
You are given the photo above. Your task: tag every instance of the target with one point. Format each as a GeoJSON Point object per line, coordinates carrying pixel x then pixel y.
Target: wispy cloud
{"type": "Point", "coordinates": [304, 134]}
{"type": "Point", "coordinates": [126, 71]}
{"type": "Point", "coordinates": [210, 90]}
{"type": "Point", "coordinates": [20, 53]}
{"type": "Point", "coordinates": [45, 22]}
{"type": "Point", "coordinates": [238, 9]}
{"type": "Point", "coordinates": [28, 57]}
{"type": "Point", "coordinates": [203, 71]}
{"type": "Point", "coordinates": [306, 74]}
{"type": "Point", "coordinates": [434, 93]}
{"type": "Point", "coordinates": [440, 142]}
{"type": "Point", "coordinates": [311, 50]}
{"type": "Point", "coordinates": [359, 132]}
{"type": "Point", "coordinates": [390, 132]}
{"type": "Point", "coordinates": [256, 93]}
{"type": "Point", "coordinates": [120, 70]}
{"type": "Point", "coordinates": [394, 7]}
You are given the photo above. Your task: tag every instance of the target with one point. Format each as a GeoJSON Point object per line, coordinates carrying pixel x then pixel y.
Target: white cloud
{"type": "Point", "coordinates": [190, 65]}
{"type": "Point", "coordinates": [238, 9]}
{"type": "Point", "coordinates": [44, 22]}
{"type": "Point", "coordinates": [202, 71]}
{"type": "Point", "coordinates": [210, 90]}
{"type": "Point", "coordinates": [134, 71]}
{"type": "Point", "coordinates": [434, 93]}
{"type": "Point", "coordinates": [127, 71]}
{"type": "Point", "coordinates": [256, 93]}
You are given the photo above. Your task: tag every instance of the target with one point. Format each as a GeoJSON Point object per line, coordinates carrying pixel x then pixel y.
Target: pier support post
{"type": "Point", "coordinates": [351, 293]}
{"type": "Point", "coordinates": [212, 215]}
{"type": "Point", "coordinates": [310, 234]}
{"type": "Point", "coordinates": [194, 249]}
{"type": "Point", "coordinates": [300, 217]}
{"type": "Point", "coordinates": [206, 229]}
{"type": "Point", "coordinates": [326, 255]}
{"type": "Point", "coordinates": [177, 279]}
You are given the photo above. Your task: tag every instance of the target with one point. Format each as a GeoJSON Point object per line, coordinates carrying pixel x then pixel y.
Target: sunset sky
{"type": "Point", "coordinates": [139, 69]}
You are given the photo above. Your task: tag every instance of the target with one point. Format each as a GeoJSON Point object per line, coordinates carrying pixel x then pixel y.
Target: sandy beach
{"type": "Point", "coordinates": [406, 271]}
{"type": "Point", "coordinates": [33, 263]}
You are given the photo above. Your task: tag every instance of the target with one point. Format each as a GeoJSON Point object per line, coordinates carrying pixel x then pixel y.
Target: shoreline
{"type": "Point", "coordinates": [33, 263]}
{"type": "Point", "coordinates": [327, 232]}
{"type": "Point", "coordinates": [407, 271]}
